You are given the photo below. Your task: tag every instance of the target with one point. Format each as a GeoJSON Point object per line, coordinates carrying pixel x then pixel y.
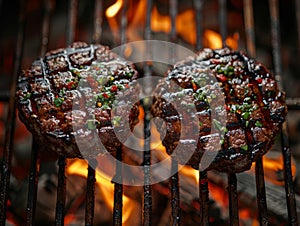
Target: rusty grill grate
{"type": "Point", "coordinates": [97, 33]}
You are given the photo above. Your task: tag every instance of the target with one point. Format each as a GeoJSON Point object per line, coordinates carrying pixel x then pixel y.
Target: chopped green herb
{"type": "Point", "coordinates": [91, 124]}
{"type": "Point", "coordinates": [246, 115]}
{"type": "Point", "coordinates": [116, 120]}
{"type": "Point", "coordinates": [58, 101]}
{"type": "Point", "coordinates": [27, 96]}
{"type": "Point", "coordinates": [219, 126]}
{"type": "Point", "coordinates": [105, 106]}
{"type": "Point", "coordinates": [62, 92]}
{"type": "Point", "coordinates": [75, 72]}
{"type": "Point", "coordinates": [190, 105]}
{"type": "Point", "coordinates": [224, 69]}
{"type": "Point", "coordinates": [247, 99]}
{"type": "Point", "coordinates": [213, 96]}
{"type": "Point", "coordinates": [247, 123]}
{"type": "Point", "coordinates": [244, 147]}
{"type": "Point", "coordinates": [258, 124]}
{"type": "Point", "coordinates": [222, 141]}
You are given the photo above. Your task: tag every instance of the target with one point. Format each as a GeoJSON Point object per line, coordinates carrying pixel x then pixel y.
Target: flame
{"type": "Point", "coordinates": [111, 14]}
{"type": "Point", "coordinates": [160, 23]}
{"type": "Point", "coordinates": [114, 9]}
{"type": "Point", "coordinates": [274, 169]}
{"type": "Point", "coordinates": [185, 25]}
{"type": "Point", "coordinates": [213, 40]}
{"type": "Point", "coordinates": [106, 189]}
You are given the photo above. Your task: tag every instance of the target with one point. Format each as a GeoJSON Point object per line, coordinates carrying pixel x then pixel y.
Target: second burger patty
{"type": "Point", "coordinates": [245, 121]}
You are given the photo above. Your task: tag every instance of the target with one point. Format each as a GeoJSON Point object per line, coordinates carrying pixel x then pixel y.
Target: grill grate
{"type": "Point", "coordinates": [293, 104]}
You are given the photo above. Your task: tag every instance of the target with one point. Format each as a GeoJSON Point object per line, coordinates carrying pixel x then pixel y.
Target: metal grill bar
{"type": "Point", "coordinates": [233, 200]}
{"type": "Point", "coordinates": [259, 171]}
{"type": "Point", "coordinates": [61, 186]}
{"type": "Point", "coordinates": [289, 187]}
{"type": "Point", "coordinates": [35, 156]}
{"type": "Point", "coordinates": [290, 194]}
{"type": "Point", "coordinates": [98, 20]}
{"type": "Point", "coordinates": [32, 184]}
{"type": "Point", "coordinates": [298, 22]}
{"type": "Point", "coordinates": [204, 197]}
{"type": "Point", "coordinates": [198, 10]}
{"type": "Point", "coordinates": [91, 177]}
{"type": "Point", "coordinates": [72, 20]}
{"type": "Point", "coordinates": [232, 182]}
{"type": "Point", "coordinates": [223, 20]}
{"type": "Point", "coordinates": [261, 193]}
{"type": "Point", "coordinates": [175, 197]}
{"type": "Point", "coordinates": [11, 115]}
{"type": "Point", "coordinates": [173, 14]}
{"type": "Point", "coordinates": [61, 192]}
{"type": "Point", "coordinates": [49, 5]}
{"type": "Point", "coordinates": [249, 27]}
{"type": "Point", "coordinates": [293, 103]}
{"type": "Point", "coordinates": [147, 202]}
{"type": "Point", "coordinates": [90, 193]}
{"type": "Point", "coordinates": [203, 181]}
{"type": "Point", "coordinates": [124, 22]}
{"type": "Point", "coordinates": [118, 191]}
{"type": "Point", "coordinates": [147, 162]}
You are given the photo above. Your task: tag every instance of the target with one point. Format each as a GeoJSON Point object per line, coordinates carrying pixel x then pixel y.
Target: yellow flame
{"type": "Point", "coordinates": [188, 171]}
{"type": "Point", "coordinates": [106, 188]}
{"type": "Point", "coordinates": [114, 8]}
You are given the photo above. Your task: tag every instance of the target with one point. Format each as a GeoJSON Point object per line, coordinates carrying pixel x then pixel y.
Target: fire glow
{"type": "Point", "coordinates": [185, 25]}
{"type": "Point", "coordinates": [79, 167]}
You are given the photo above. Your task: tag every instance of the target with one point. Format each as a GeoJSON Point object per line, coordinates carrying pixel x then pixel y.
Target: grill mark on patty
{"type": "Point", "coordinates": [49, 110]}
{"type": "Point", "coordinates": [250, 130]}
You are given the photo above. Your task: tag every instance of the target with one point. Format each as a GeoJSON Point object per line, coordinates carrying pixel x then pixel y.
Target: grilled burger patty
{"type": "Point", "coordinates": [69, 94]}
{"type": "Point", "coordinates": [252, 105]}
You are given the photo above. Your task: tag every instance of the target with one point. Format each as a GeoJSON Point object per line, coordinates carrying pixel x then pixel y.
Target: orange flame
{"type": "Point", "coordinates": [111, 14]}
{"type": "Point", "coordinates": [160, 23]}
{"type": "Point", "coordinates": [106, 189]}
{"type": "Point", "coordinates": [213, 40]}
{"type": "Point", "coordinates": [185, 25]}
{"type": "Point", "coordinates": [274, 169]}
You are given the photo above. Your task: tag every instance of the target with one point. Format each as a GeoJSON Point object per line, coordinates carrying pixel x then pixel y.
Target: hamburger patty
{"type": "Point", "coordinates": [235, 129]}
{"type": "Point", "coordinates": [69, 94]}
